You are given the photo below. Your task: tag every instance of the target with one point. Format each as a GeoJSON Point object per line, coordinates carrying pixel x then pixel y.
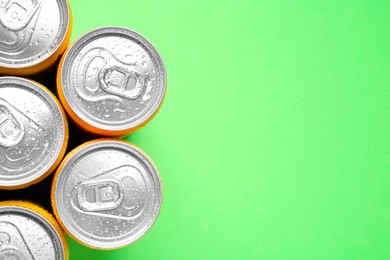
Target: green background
{"type": "Point", "coordinates": [273, 141]}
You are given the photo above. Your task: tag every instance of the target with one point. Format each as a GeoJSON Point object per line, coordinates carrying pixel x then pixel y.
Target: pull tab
{"type": "Point", "coordinates": [99, 195]}
{"type": "Point", "coordinates": [104, 77]}
{"type": "Point", "coordinates": [16, 14]}
{"type": "Point", "coordinates": [116, 193]}
{"type": "Point", "coordinates": [21, 139]}
{"type": "Point", "coordinates": [11, 129]}
{"type": "Point", "coordinates": [122, 82]}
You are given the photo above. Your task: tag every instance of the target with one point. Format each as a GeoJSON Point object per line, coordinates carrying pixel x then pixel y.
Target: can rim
{"type": "Point", "coordinates": [112, 129]}
{"type": "Point", "coordinates": [61, 214]}
{"type": "Point", "coordinates": [44, 93]}
{"type": "Point", "coordinates": [46, 223]}
{"type": "Point", "coordinates": [29, 62]}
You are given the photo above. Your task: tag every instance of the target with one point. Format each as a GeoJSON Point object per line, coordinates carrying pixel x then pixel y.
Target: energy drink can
{"type": "Point", "coordinates": [106, 193]}
{"type": "Point", "coordinates": [111, 81]}
{"type": "Point", "coordinates": [29, 232]}
{"type": "Point", "coordinates": [33, 34]}
{"type": "Point", "coordinates": [33, 132]}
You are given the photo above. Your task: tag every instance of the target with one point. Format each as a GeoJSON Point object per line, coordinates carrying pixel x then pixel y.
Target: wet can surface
{"type": "Point", "coordinates": [33, 34]}
{"type": "Point", "coordinates": [106, 194]}
{"type": "Point", "coordinates": [29, 232]}
{"type": "Point", "coordinates": [33, 132]}
{"type": "Point", "coordinates": [111, 81]}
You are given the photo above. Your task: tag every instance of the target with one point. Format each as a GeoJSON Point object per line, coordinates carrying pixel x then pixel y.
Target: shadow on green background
{"type": "Point", "coordinates": [273, 141]}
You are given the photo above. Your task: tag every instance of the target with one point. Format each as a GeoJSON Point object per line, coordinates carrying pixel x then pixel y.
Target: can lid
{"type": "Point", "coordinates": [31, 31]}
{"type": "Point", "coordinates": [33, 132]}
{"type": "Point", "coordinates": [107, 194]}
{"type": "Point", "coordinates": [113, 79]}
{"type": "Point", "coordinates": [25, 234]}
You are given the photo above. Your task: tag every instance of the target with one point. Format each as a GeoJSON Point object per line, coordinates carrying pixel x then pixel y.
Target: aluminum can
{"type": "Point", "coordinates": [33, 34]}
{"type": "Point", "coordinates": [106, 193]}
{"type": "Point", "coordinates": [29, 232]}
{"type": "Point", "coordinates": [111, 81]}
{"type": "Point", "coordinates": [33, 132]}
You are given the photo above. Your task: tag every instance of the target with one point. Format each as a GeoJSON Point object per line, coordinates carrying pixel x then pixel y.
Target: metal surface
{"type": "Point", "coordinates": [113, 79]}
{"type": "Point", "coordinates": [32, 131]}
{"type": "Point", "coordinates": [108, 194]}
{"type": "Point", "coordinates": [25, 234]}
{"type": "Point", "coordinates": [31, 30]}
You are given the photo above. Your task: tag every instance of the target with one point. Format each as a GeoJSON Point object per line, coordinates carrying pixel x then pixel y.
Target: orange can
{"type": "Point", "coordinates": [33, 34]}
{"type": "Point", "coordinates": [107, 194]}
{"type": "Point", "coordinates": [28, 231]}
{"type": "Point", "coordinates": [33, 133]}
{"type": "Point", "coordinates": [111, 81]}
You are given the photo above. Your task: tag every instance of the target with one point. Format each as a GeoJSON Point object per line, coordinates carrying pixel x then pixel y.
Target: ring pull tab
{"type": "Point", "coordinates": [99, 195]}
{"type": "Point", "coordinates": [11, 129]}
{"type": "Point", "coordinates": [122, 82]}
{"type": "Point", "coordinates": [16, 14]}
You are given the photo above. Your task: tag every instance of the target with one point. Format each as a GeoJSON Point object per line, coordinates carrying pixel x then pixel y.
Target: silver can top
{"type": "Point", "coordinates": [31, 30]}
{"type": "Point", "coordinates": [107, 194]}
{"type": "Point", "coordinates": [25, 234]}
{"type": "Point", "coordinates": [32, 131]}
{"type": "Point", "coordinates": [113, 79]}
